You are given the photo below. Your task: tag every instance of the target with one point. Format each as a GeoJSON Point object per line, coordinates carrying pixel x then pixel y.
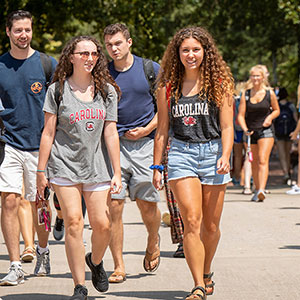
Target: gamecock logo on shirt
{"type": "Point", "coordinates": [90, 126]}
{"type": "Point", "coordinates": [36, 87]}
{"type": "Point", "coordinates": [189, 121]}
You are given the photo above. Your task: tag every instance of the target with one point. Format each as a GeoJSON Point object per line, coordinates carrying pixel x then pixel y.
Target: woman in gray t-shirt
{"type": "Point", "coordinates": [80, 152]}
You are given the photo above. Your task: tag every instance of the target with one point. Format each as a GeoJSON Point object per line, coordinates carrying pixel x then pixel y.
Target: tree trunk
{"type": "Point", "coordinates": [274, 65]}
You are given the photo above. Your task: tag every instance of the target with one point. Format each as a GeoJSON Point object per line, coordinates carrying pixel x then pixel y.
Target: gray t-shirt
{"type": "Point", "coordinates": [78, 152]}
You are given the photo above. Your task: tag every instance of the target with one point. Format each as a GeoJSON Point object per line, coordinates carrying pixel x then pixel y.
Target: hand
{"type": "Point", "coordinates": [135, 133]}
{"type": "Point", "coordinates": [223, 166]}
{"type": "Point", "coordinates": [41, 183]}
{"type": "Point", "coordinates": [116, 185]}
{"type": "Point", "coordinates": [157, 180]}
{"type": "Point", "coordinates": [247, 133]}
{"type": "Point", "coordinates": [294, 135]}
{"type": "Point", "coordinates": [267, 122]}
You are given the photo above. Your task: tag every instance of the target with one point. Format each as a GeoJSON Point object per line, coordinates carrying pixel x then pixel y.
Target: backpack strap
{"type": "Point", "coordinates": [57, 95]}
{"type": "Point", "coordinates": [2, 127]}
{"type": "Point", "coordinates": [150, 75]}
{"type": "Point", "coordinates": [247, 95]}
{"type": "Point", "coordinates": [47, 67]}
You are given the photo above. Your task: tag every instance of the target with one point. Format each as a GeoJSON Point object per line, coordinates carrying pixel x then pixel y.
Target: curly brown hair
{"type": "Point", "coordinates": [100, 73]}
{"type": "Point", "coordinates": [215, 76]}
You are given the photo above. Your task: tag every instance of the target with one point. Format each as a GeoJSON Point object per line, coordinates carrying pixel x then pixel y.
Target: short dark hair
{"type": "Point", "coordinates": [282, 94]}
{"type": "Point", "coordinates": [17, 15]}
{"type": "Point", "coordinates": [115, 28]}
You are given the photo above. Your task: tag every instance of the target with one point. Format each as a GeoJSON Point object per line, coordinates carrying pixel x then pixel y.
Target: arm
{"type": "Point", "coordinates": [295, 133]}
{"type": "Point", "coordinates": [241, 115]}
{"type": "Point", "coordinates": [45, 149]}
{"type": "Point", "coordinates": [275, 110]}
{"type": "Point", "coordinates": [162, 134]}
{"type": "Point", "coordinates": [111, 138]}
{"type": "Point", "coordinates": [226, 122]}
{"type": "Point", "coordinates": [139, 132]}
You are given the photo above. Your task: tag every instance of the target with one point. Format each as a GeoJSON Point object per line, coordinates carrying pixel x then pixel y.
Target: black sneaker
{"type": "Point", "coordinates": [179, 252]}
{"type": "Point", "coordinates": [59, 229]}
{"type": "Point", "coordinates": [99, 277]}
{"type": "Point", "coordinates": [80, 293]}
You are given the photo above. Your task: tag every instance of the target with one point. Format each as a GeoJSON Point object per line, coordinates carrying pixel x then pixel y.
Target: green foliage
{"type": "Point", "coordinates": [246, 32]}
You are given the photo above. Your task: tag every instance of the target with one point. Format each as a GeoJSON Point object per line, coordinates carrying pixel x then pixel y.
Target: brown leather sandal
{"type": "Point", "coordinates": [192, 294]}
{"type": "Point", "coordinates": [209, 286]}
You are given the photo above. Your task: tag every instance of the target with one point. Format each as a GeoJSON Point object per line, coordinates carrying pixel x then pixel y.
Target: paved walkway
{"type": "Point", "coordinates": [258, 256]}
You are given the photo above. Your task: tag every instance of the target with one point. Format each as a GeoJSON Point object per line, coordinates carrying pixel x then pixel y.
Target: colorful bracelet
{"type": "Point", "coordinates": [160, 168]}
{"type": "Point", "coordinates": [42, 171]}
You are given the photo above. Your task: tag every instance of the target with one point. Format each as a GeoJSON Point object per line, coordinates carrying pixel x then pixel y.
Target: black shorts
{"type": "Point", "coordinates": [265, 132]}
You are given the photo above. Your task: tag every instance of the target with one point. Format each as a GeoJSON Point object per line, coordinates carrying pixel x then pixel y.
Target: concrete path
{"type": "Point", "coordinates": [258, 257]}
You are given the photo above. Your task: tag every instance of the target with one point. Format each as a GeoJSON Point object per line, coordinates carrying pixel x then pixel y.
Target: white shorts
{"type": "Point", "coordinates": [86, 187]}
{"type": "Point", "coordinates": [17, 168]}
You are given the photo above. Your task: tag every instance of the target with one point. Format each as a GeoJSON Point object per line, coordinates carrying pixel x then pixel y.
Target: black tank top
{"type": "Point", "coordinates": [194, 120]}
{"type": "Point", "coordinates": [256, 113]}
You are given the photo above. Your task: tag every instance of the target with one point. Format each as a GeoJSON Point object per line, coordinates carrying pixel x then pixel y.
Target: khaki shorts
{"type": "Point", "coordinates": [136, 158]}
{"type": "Point", "coordinates": [17, 168]}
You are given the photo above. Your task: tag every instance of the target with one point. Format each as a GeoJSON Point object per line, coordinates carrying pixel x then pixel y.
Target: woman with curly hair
{"type": "Point", "coordinates": [195, 92]}
{"type": "Point", "coordinates": [79, 144]}
{"type": "Point", "coordinates": [257, 110]}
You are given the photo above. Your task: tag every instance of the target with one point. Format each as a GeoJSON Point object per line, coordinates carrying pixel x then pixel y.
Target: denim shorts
{"type": "Point", "coordinates": [196, 160]}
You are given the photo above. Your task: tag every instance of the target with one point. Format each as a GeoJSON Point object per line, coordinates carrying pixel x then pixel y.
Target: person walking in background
{"type": "Point", "coordinates": [258, 108]}
{"type": "Point", "coordinates": [136, 125]}
{"type": "Point", "coordinates": [195, 101]}
{"type": "Point", "coordinates": [295, 190]}
{"type": "Point", "coordinates": [238, 145]}
{"type": "Point", "coordinates": [23, 120]}
{"type": "Point", "coordinates": [284, 125]}
{"type": "Point", "coordinates": [79, 145]}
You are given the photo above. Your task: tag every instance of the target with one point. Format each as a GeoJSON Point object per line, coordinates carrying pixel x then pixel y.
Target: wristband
{"type": "Point", "coordinates": [40, 171]}
{"type": "Point", "coordinates": [160, 168]}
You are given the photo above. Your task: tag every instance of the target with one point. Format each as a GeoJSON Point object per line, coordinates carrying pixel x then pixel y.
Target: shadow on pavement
{"type": "Point", "coordinates": [36, 297]}
{"type": "Point", "coordinates": [157, 295]}
{"type": "Point", "coordinates": [290, 247]}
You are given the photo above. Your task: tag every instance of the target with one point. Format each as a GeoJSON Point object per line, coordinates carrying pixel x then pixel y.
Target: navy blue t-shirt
{"type": "Point", "coordinates": [22, 91]}
{"type": "Point", "coordinates": [136, 107]}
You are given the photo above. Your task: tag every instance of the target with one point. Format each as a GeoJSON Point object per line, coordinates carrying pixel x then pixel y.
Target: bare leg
{"type": "Point", "coordinates": [151, 218]}
{"type": "Point", "coordinates": [26, 222]}
{"type": "Point", "coordinates": [70, 202]}
{"type": "Point", "coordinates": [42, 234]}
{"type": "Point", "coordinates": [10, 224]}
{"type": "Point", "coordinates": [238, 160]}
{"type": "Point", "coordinates": [284, 148]}
{"type": "Point", "coordinates": [188, 193]}
{"type": "Point", "coordinates": [213, 199]}
{"type": "Point", "coordinates": [264, 150]}
{"type": "Point", "coordinates": [117, 234]}
{"type": "Point", "coordinates": [98, 207]}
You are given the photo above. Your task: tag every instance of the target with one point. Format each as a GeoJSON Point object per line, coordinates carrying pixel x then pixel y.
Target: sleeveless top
{"type": "Point", "coordinates": [256, 113]}
{"type": "Point", "coordinates": [194, 120]}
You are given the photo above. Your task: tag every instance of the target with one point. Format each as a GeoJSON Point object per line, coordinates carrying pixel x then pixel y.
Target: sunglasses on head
{"type": "Point", "coordinates": [86, 54]}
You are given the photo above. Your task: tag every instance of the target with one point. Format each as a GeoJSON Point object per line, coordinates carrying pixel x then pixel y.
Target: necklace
{"type": "Point", "coordinates": [74, 86]}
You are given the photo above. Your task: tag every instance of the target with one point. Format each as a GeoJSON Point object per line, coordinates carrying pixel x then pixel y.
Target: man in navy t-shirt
{"type": "Point", "coordinates": [22, 91]}
{"type": "Point", "coordinates": [136, 125]}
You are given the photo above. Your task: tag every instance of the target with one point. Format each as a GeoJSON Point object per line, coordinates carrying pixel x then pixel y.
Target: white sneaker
{"type": "Point", "coordinates": [261, 195]}
{"type": "Point", "coordinates": [14, 276]}
{"type": "Point", "coordinates": [42, 267]}
{"type": "Point", "coordinates": [295, 190]}
{"type": "Point", "coordinates": [254, 197]}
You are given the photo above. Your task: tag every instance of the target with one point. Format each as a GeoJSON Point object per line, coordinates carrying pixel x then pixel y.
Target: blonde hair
{"type": "Point", "coordinates": [264, 72]}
